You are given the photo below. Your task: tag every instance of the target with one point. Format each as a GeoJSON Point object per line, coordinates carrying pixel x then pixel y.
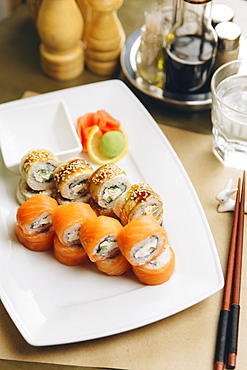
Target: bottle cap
{"type": "Point", "coordinates": [221, 13]}
{"type": "Point", "coordinates": [228, 35]}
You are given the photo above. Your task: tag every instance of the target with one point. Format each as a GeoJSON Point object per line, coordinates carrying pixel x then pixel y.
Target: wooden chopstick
{"type": "Point", "coordinates": [235, 305]}
{"type": "Point", "coordinates": [220, 353]}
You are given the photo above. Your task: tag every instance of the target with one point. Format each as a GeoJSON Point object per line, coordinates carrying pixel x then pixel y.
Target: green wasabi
{"type": "Point", "coordinates": [112, 143]}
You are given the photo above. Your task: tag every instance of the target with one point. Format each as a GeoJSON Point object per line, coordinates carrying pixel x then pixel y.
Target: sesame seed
{"type": "Point", "coordinates": [107, 171]}
{"type": "Point", "coordinates": [139, 192]}
{"type": "Point", "coordinates": [40, 155]}
{"type": "Point", "coordinates": [67, 169]}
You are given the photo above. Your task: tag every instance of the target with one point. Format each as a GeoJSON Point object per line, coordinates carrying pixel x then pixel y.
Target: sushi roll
{"type": "Point", "coordinates": [61, 200]}
{"type": "Point", "coordinates": [67, 220]}
{"type": "Point", "coordinates": [101, 211]}
{"type": "Point", "coordinates": [34, 215]}
{"type": "Point", "coordinates": [34, 228]}
{"type": "Point", "coordinates": [37, 168]}
{"type": "Point", "coordinates": [71, 180]}
{"type": "Point", "coordinates": [139, 200]}
{"type": "Point", "coordinates": [142, 240]}
{"type": "Point", "coordinates": [113, 266]}
{"type": "Point", "coordinates": [70, 255]}
{"type": "Point", "coordinates": [40, 242]}
{"type": "Point", "coordinates": [99, 237]}
{"type": "Point", "coordinates": [24, 192]}
{"type": "Point", "coordinates": [106, 184]}
{"type": "Point", "coordinates": [157, 271]}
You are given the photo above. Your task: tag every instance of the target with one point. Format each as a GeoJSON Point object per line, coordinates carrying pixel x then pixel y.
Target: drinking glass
{"type": "Point", "coordinates": [229, 114]}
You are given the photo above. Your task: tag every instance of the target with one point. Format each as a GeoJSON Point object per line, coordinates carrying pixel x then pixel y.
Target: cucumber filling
{"type": "Point", "coordinates": [113, 192]}
{"type": "Point", "coordinates": [107, 245]}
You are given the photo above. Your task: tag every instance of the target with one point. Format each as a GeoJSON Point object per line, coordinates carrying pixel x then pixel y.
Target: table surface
{"type": "Point", "coordinates": [20, 71]}
{"type": "Point", "coordinates": [20, 65]}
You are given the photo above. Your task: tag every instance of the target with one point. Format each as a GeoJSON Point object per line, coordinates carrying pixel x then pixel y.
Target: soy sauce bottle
{"type": "Point", "coordinates": [190, 49]}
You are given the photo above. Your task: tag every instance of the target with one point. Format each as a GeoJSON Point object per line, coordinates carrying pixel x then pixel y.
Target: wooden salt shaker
{"type": "Point", "coordinates": [60, 27]}
{"type": "Point", "coordinates": [104, 37]}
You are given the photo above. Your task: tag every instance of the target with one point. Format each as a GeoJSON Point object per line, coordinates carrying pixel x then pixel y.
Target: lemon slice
{"type": "Point", "coordinates": [93, 147]}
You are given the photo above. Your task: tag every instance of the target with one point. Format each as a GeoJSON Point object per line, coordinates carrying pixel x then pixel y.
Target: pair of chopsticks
{"type": "Point", "coordinates": [227, 336]}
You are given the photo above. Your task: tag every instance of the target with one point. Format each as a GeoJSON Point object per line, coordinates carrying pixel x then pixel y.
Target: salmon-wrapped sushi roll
{"type": "Point", "coordinates": [99, 237]}
{"type": "Point", "coordinates": [157, 271]}
{"type": "Point", "coordinates": [114, 266]}
{"type": "Point", "coordinates": [37, 169]}
{"type": "Point", "coordinates": [34, 215]}
{"type": "Point", "coordinates": [106, 184]}
{"type": "Point", "coordinates": [70, 255]}
{"type": "Point", "coordinates": [141, 240]}
{"type": "Point", "coordinates": [24, 192]}
{"type": "Point", "coordinates": [40, 242]}
{"type": "Point", "coordinates": [71, 178]}
{"type": "Point", "coordinates": [139, 200]}
{"type": "Point", "coordinates": [67, 220]}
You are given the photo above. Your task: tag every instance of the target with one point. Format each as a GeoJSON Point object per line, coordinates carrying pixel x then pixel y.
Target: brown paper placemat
{"type": "Point", "coordinates": [180, 342]}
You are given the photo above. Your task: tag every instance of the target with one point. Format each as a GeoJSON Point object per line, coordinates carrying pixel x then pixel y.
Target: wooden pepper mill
{"type": "Point", "coordinates": [85, 11]}
{"type": "Point", "coordinates": [104, 36]}
{"type": "Point", "coordinates": [60, 27]}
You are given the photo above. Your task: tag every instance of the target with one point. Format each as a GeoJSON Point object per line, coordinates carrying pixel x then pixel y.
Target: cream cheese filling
{"type": "Point", "coordinates": [44, 174]}
{"type": "Point", "coordinates": [41, 222]}
{"type": "Point", "coordinates": [147, 248]}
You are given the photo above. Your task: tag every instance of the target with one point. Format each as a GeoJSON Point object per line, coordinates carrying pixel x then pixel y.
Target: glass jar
{"type": "Point", "coordinates": [150, 57]}
{"type": "Point", "coordinates": [190, 49]}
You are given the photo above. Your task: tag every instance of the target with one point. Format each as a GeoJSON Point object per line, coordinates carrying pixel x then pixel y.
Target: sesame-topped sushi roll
{"type": "Point", "coordinates": [71, 180]}
{"type": "Point", "coordinates": [106, 184]}
{"type": "Point", "coordinates": [139, 200]}
{"type": "Point", "coordinates": [37, 169]}
{"type": "Point", "coordinates": [24, 192]}
{"type": "Point", "coordinates": [101, 211]}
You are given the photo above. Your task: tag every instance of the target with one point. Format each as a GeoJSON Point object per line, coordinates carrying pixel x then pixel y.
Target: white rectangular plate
{"type": "Point", "coordinates": [53, 304]}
